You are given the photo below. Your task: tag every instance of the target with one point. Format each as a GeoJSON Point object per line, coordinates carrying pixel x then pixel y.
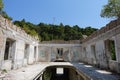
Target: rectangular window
{"type": "Point", "coordinates": [26, 50]}
{"type": "Point", "coordinates": [112, 49]}
{"type": "Point", "coordinates": [60, 52]}
{"type": "Point", "coordinates": [84, 50]}
{"type": "Point", "coordinates": [59, 71]}
{"type": "Point", "coordinates": [9, 49]}
{"type": "Point", "coordinates": [7, 46]}
{"type": "Point", "coordinates": [93, 49]}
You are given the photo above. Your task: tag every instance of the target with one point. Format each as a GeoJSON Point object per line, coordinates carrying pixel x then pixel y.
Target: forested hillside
{"type": "Point", "coordinates": [47, 32]}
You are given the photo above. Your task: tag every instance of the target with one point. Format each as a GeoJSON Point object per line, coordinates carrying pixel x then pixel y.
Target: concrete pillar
{"type": "Point", "coordinates": [2, 47]}
{"type": "Point", "coordinates": [117, 45]}
{"type": "Point", "coordinates": [31, 55]}
{"type": "Point", "coordinates": [36, 58]}
{"type": "Point", "coordinates": [19, 54]}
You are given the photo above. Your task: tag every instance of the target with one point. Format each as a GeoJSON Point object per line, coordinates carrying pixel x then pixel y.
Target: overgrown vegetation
{"type": "Point", "coordinates": [49, 32]}
{"type": "Point", "coordinates": [111, 9]}
{"type": "Point", "coordinates": [112, 50]}
{"type": "Point", "coordinates": [1, 5]}
{"type": "Point", "coordinates": [3, 13]}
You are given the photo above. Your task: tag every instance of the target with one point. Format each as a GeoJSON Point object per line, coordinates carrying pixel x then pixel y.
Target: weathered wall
{"type": "Point", "coordinates": [45, 53]}
{"type": "Point", "coordinates": [93, 50]}
{"type": "Point", "coordinates": [17, 39]}
{"type": "Point", "coordinates": [48, 52]}
{"type": "Point", "coordinates": [19, 54]}
{"type": "Point", "coordinates": [2, 42]}
{"type": "Point", "coordinates": [31, 55]}
{"type": "Point", "coordinates": [117, 40]}
{"type": "Point", "coordinates": [102, 58]}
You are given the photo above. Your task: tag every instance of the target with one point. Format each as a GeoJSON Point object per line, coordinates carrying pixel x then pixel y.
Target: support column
{"type": "Point", "coordinates": [117, 45]}
{"type": "Point", "coordinates": [36, 59]}
{"type": "Point", "coordinates": [31, 55]}
{"type": "Point", "coordinates": [2, 47]}
{"type": "Point", "coordinates": [19, 54]}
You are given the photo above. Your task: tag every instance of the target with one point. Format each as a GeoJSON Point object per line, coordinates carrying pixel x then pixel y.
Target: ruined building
{"type": "Point", "coordinates": [18, 50]}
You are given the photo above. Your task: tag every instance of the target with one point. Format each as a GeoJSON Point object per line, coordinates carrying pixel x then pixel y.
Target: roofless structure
{"type": "Point", "coordinates": [23, 57]}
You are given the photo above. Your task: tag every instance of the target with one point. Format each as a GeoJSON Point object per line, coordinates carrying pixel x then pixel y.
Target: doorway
{"type": "Point", "coordinates": [9, 49]}
{"type": "Point", "coordinates": [59, 53]}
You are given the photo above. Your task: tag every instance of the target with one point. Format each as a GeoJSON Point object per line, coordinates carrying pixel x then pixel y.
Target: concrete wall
{"type": "Point", "coordinates": [94, 49]}
{"type": "Point", "coordinates": [19, 54]}
{"type": "Point", "coordinates": [2, 46]}
{"type": "Point", "coordinates": [73, 75]}
{"type": "Point", "coordinates": [18, 38]}
{"type": "Point", "coordinates": [102, 56]}
{"type": "Point", "coordinates": [48, 52]}
{"type": "Point", "coordinates": [31, 55]}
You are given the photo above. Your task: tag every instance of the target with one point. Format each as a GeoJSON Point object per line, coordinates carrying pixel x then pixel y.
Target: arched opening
{"type": "Point", "coordinates": [61, 73]}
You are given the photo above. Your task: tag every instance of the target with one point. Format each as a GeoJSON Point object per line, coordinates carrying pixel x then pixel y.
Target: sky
{"type": "Point", "coordinates": [83, 13]}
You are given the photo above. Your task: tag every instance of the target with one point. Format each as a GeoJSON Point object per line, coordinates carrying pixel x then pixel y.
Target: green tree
{"type": "Point", "coordinates": [1, 5]}
{"type": "Point", "coordinates": [5, 15]}
{"type": "Point", "coordinates": [67, 32]}
{"type": "Point", "coordinates": [111, 10]}
{"type": "Point", "coordinates": [61, 29]}
{"type": "Point", "coordinates": [47, 32]}
{"type": "Point", "coordinates": [27, 26]}
{"type": "Point", "coordinates": [88, 31]}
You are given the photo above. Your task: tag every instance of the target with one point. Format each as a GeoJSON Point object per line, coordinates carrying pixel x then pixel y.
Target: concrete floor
{"type": "Point", "coordinates": [95, 73]}
{"type": "Point", "coordinates": [29, 72]}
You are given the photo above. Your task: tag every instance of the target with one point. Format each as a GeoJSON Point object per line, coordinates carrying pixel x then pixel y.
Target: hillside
{"type": "Point", "coordinates": [47, 32]}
